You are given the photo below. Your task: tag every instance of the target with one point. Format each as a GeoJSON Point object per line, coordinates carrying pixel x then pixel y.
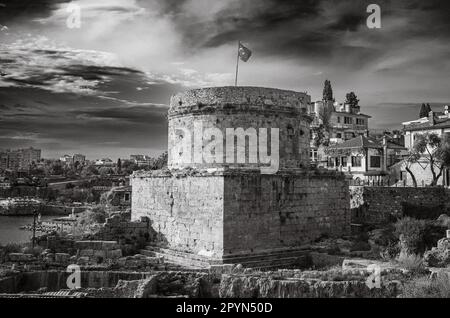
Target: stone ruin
{"type": "Point", "coordinates": [222, 212]}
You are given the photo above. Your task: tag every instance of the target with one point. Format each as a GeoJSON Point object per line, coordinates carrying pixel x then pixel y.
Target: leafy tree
{"type": "Point", "coordinates": [327, 91]}
{"type": "Point", "coordinates": [89, 171]}
{"type": "Point", "coordinates": [321, 132]}
{"type": "Point", "coordinates": [352, 99]}
{"type": "Point", "coordinates": [432, 150]}
{"type": "Point", "coordinates": [105, 171]}
{"type": "Point", "coordinates": [161, 161]}
{"type": "Point", "coordinates": [35, 171]}
{"type": "Point", "coordinates": [129, 166]}
{"type": "Point", "coordinates": [56, 168]}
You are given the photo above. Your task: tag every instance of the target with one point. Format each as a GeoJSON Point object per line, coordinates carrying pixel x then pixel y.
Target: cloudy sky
{"type": "Point", "coordinates": [102, 89]}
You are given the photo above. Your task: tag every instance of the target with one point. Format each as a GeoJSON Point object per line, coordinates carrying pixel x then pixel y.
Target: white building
{"type": "Point", "coordinates": [365, 158]}
{"type": "Point", "coordinates": [437, 123]}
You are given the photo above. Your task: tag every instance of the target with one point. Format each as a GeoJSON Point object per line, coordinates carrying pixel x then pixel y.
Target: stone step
{"type": "Point", "coordinates": [147, 253]}
{"type": "Point", "coordinates": [236, 259]}
{"type": "Point", "coordinates": [286, 262]}
{"type": "Point", "coordinates": [175, 253]}
{"type": "Point", "coordinates": [276, 259]}
{"type": "Point", "coordinates": [182, 260]}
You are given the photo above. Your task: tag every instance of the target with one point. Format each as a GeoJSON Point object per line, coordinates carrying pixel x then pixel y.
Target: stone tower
{"type": "Point", "coordinates": [213, 205]}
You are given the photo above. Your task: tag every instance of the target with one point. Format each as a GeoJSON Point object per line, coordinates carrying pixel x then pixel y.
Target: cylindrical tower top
{"type": "Point", "coordinates": [239, 97]}
{"type": "Point", "coordinates": [239, 127]}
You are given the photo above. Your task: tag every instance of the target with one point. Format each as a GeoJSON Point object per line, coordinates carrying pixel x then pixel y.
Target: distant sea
{"type": "Point", "coordinates": [10, 228]}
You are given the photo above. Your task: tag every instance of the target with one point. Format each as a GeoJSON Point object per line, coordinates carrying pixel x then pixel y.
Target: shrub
{"type": "Point", "coordinates": [423, 287]}
{"type": "Point", "coordinates": [411, 262]}
{"type": "Point", "coordinates": [35, 251]}
{"type": "Point", "coordinates": [99, 217]}
{"type": "Point", "coordinates": [411, 233]}
{"type": "Point", "coordinates": [390, 252]}
{"type": "Point", "coordinates": [360, 246]}
{"type": "Point", "coordinates": [12, 248]}
{"type": "Point", "coordinates": [8, 248]}
{"type": "Point", "coordinates": [384, 236]}
{"type": "Point", "coordinates": [433, 233]}
{"type": "Point", "coordinates": [334, 250]}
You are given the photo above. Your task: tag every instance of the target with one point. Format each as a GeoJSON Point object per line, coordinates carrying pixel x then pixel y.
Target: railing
{"type": "Point", "coordinates": [386, 183]}
{"type": "Point", "coordinates": [377, 183]}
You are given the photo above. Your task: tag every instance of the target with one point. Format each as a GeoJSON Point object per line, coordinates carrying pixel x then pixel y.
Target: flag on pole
{"type": "Point", "coordinates": [244, 53]}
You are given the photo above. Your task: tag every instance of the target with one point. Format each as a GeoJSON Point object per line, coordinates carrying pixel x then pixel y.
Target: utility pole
{"type": "Point", "coordinates": [35, 214]}
{"type": "Point", "coordinates": [237, 64]}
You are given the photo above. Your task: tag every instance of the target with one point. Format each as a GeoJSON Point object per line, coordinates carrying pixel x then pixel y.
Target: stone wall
{"type": "Point", "coordinates": [287, 210]}
{"type": "Point", "coordinates": [223, 214]}
{"type": "Point", "coordinates": [120, 228]}
{"type": "Point", "coordinates": [59, 244]}
{"type": "Point", "coordinates": [248, 286]}
{"type": "Point", "coordinates": [185, 211]}
{"type": "Point", "coordinates": [374, 205]}
{"type": "Point", "coordinates": [97, 252]}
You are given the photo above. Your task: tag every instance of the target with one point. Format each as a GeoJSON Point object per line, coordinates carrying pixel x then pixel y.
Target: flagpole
{"type": "Point", "coordinates": [237, 63]}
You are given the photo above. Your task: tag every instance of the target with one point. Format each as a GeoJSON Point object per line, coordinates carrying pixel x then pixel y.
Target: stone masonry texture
{"type": "Point", "coordinates": [376, 205]}
{"type": "Point", "coordinates": [239, 107]}
{"type": "Point", "coordinates": [220, 211]}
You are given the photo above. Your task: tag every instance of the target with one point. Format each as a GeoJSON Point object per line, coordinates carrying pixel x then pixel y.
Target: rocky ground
{"type": "Point", "coordinates": [380, 262]}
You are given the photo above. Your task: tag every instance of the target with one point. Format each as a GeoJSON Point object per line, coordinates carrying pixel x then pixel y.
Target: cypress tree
{"type": "Point", "coordinates": [423, 111]}
{"type": "Point", "coordinates": [327, 91]}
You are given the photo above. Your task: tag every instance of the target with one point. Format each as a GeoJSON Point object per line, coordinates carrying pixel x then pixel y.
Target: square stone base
{"type": "Point", "coordinates": [232, 216]}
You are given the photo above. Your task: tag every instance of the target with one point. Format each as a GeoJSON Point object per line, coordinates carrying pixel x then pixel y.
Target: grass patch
{"type": "Point", "coordinates": [411, 262]}
{"type": "Point", "coordinates": [423, 287]}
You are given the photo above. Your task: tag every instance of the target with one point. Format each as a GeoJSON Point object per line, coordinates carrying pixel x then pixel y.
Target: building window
{"type": "Point", "coordinates": [356, 161]}
{"type": "Point", "coordinates": [339, 120]}
{"type": "Point", "coordinates": [375, 162]}
{"type": "Point", "coordinates": [290, 132]}
{"type": "Point", "coordinates": [337, 162]}
{"type": "Point", "coordinates": [338, 135]}
{"type": "Point", "coordinates": [349, 135]}
{"type": "Point", "coordinates": [359, 121]}
{"type": "Point", "coordinates": [348, 120]}
{"type": "Point", "coordinates": [344, 161]}
{"type": "Point", "coordinates": [331, 162]}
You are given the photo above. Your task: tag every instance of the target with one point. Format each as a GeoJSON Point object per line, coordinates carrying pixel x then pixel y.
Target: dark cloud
{"type": "Point", "coordinates": [149, 114]}
{"type": "Point", "coordinates": [347, 22]}
{"type": "Point", "coordinates": [14, 10]}
{"type": "Point", "coordinates": [305, 29]}
{"type": "Point", "coordinates": [249, 22]}
{"type": "Point", "coordinates": [94, 124]}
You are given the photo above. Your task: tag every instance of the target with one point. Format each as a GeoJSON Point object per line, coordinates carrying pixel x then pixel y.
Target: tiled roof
{"type": "Point", "coordinates": [440, 123]}
{"type": "Point", "coordinates": [359, 114]}
{"type": "Point", "coordinates": [392, 145]}
{"type": "Point", "coordinates": [365, 142]}
{"type": "Point", "coordinates": [358, 142]}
